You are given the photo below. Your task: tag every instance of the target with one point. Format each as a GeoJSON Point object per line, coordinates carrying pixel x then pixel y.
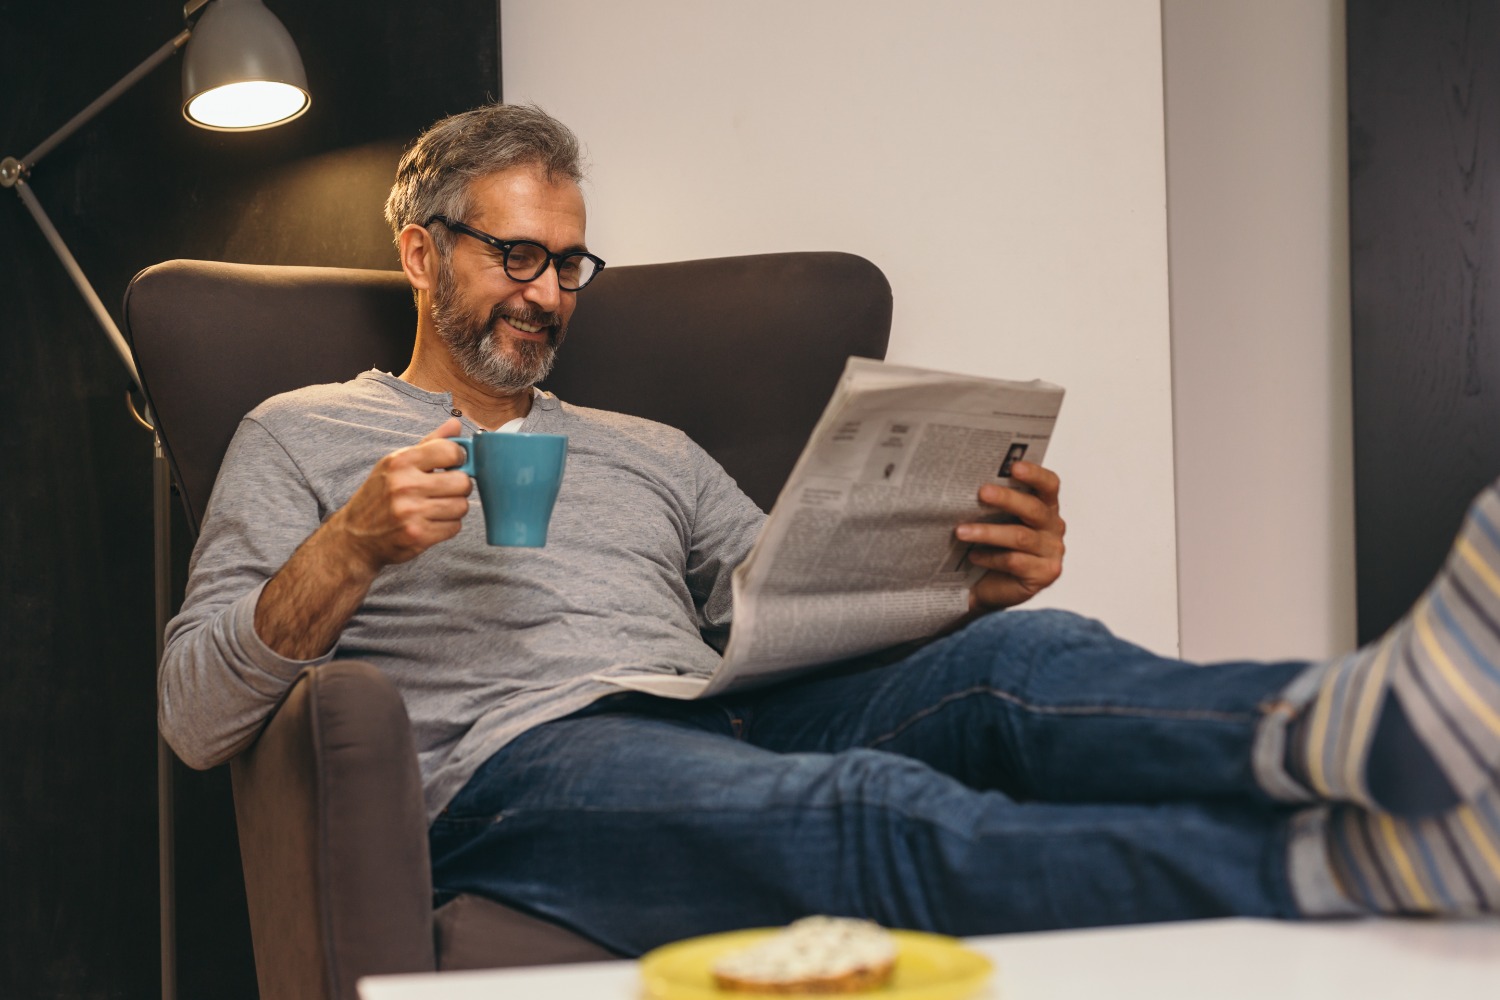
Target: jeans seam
{"type": "Point", "coordinates": [893, 808]}
{"type": "Point", "coordinates": [1198, 715]}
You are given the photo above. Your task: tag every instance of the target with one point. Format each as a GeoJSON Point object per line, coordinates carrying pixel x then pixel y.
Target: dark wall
{"type": "Point", "coordinates": [78, 832]}
{"type": "Point", "coordinates": [1424, 161]}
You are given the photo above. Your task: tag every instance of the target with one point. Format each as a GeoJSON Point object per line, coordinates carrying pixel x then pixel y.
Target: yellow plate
{"type": "Point", "coordinates": [928, 967]}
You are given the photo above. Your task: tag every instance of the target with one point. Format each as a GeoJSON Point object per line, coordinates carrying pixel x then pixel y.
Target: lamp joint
{"type": "Point", "coordinates": [12, 171]}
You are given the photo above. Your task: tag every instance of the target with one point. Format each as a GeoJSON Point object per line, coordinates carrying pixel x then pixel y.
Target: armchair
{"type": "Point", "coordinates": [742, 353]}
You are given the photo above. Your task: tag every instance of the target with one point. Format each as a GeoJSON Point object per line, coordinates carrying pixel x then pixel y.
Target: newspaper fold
{"type": "Point", "coordinates": [859, 551]}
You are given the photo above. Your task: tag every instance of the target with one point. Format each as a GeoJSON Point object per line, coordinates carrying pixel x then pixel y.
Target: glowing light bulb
{"type": "Point", "coordinates": [249, 105]}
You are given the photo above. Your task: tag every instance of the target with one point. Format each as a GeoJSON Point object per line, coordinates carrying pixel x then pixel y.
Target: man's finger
{"type": "Point", "coordinates": [1020, 579]}
{"type": "Point", "coordinates": [433, 453]}
{"type": "Point", "coordinates": [1040, 479]}
{"type": "Point", "coordinates": [1013, 537]}
{"type": "Point", "coordinates": [446, 508]}
{"type": "Point", "coordinates": [452, 427]}
{"type": "Point", "coordinates": [1025, 507]}
{"type": "Point", "coordinates": [1031, 570]}
{"type": "Point", "coordinates": [446, 483]}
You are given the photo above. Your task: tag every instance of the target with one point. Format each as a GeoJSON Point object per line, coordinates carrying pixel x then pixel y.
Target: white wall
{"type": "Point", "coordinates": [1001, 160]}
{"type": "Point", "coordinates": [1257, 189]}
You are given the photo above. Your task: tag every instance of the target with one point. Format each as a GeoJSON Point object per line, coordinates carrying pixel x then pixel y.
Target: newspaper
{"type": "Point", "coordinates": [859, 551]}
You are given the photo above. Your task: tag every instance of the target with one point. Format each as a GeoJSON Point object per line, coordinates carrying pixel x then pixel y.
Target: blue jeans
{"type": "Point", "coordinates": [1029, 772]}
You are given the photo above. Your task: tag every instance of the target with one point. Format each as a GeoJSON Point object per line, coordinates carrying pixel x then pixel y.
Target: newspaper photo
{"type": "Point", "coordinates": [859, 552]}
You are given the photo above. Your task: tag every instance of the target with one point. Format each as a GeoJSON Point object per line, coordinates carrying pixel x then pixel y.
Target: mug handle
{"type": "Point", "coordinates": [467, 444]}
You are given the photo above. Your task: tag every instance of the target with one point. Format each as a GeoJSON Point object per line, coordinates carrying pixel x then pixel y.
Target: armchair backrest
{"type": "Point", "coordinates": [739, 352]}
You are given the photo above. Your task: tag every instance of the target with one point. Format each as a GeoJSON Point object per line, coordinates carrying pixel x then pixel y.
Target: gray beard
{"type": "Point", "coordinates": [471, 340]}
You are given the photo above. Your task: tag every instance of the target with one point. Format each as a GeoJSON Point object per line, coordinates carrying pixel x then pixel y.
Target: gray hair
{"type": "Point", "coordinates": [435, 174]}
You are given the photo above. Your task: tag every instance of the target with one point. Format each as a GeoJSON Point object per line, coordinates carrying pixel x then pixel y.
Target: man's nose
{"type": "Point", "coordinates": [543, 291]}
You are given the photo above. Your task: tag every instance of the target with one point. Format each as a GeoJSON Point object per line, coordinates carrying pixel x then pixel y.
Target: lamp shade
{"type": "Point", "coordinates": [241, 70]}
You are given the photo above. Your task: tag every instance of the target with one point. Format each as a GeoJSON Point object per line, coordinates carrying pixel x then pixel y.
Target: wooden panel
{"type": "Point", "coordinates": [78, 907]}
{"type": "Point", "coordinates": [1424, 150]}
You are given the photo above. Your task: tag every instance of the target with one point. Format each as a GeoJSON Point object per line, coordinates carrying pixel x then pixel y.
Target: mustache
{"type": "Point", "coordinates": [549, 321]}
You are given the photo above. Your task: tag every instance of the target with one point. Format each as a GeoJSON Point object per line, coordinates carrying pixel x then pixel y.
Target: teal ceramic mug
{"type": "Point", "coordinates": [518, 477]}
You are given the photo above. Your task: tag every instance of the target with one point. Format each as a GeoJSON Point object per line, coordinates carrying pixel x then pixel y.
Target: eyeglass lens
{"type": "Point", "coordinates": [527, 261]}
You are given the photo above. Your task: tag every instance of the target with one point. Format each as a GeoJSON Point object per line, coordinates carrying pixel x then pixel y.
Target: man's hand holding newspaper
{"type": "Point", "coordinates": [918, 500]}
{"type": "Point", "coordinates": [1021, 558]}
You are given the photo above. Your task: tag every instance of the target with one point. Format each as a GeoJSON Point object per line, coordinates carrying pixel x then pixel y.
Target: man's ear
{"type": "Point", "coordinates": [419, 257]}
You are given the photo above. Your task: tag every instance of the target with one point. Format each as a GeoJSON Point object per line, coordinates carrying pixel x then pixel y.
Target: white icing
{"type": "Point", "coordinates": [812, 948]}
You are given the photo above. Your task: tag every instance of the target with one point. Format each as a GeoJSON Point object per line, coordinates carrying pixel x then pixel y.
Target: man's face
{"type": "Point", "coordinates": [504, 333]}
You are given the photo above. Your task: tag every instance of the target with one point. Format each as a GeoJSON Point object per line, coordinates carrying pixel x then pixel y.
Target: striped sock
{"type": "Point", "coordinates": [1448, 864]}
{"type": "Point", "coordinates": [1410, 724]}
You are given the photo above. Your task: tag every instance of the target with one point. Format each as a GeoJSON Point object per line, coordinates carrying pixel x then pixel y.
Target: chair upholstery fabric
{"type": "Point", "coordinates": [217, 339]}
{"type": "Point", "coordinates": [335, 763]}
{"type": "Point", "coordinates": [741, 353]}
{"type": "Point", "coordinates": [469, 926]}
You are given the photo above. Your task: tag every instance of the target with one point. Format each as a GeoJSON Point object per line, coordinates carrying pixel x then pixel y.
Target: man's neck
{"type": "Point", "coordinates": [483, 406]}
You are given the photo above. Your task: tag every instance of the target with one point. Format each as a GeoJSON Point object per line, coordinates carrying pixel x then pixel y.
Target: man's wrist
{"type": "Point", "coordinates": [305, 606]}
{"type": "Point", "coordinates": [346, 552]}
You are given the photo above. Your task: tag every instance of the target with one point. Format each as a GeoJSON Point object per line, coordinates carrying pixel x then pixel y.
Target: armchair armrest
{"type": "Point", "coordinates": [333, 837]}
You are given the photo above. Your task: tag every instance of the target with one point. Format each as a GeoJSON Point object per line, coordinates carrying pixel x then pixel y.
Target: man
{"type": "Point", "coordinates": [1026, 771]}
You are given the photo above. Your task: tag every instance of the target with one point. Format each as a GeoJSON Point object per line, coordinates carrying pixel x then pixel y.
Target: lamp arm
{"type": "Point", "coordinates": [13, 174]}
{"type": "Point", "coordinates": [105, 99]}
{"type": "Point", "coordinates": [116, 339]}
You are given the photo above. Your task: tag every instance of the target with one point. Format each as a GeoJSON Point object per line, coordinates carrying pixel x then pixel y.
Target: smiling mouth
{"type": "Point", "coordinates": [525, 329]}
{"type": "Point", "coordinates": [528, 330]}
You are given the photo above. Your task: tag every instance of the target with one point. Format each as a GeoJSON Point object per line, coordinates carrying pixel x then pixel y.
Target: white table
{"type": "Point", "coordinates": [1198, 960]}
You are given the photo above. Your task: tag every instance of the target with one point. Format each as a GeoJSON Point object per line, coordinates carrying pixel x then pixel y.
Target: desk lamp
{"type": "Point", "coordinates": [241, 72]}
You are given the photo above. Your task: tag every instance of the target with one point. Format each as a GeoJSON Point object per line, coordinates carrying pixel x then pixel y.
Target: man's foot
{"type": "Point", "coordinates": [1411, 723]}
{"type": "Point", "coordinates": [1448, 864]}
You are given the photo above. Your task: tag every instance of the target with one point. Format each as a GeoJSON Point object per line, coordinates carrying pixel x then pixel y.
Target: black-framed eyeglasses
{"type": "Point", "coordinates": [525, 260]}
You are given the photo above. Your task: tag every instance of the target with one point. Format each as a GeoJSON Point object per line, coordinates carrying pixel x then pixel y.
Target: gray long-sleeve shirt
{"type": "Point", "coordinates": [483, 642]}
